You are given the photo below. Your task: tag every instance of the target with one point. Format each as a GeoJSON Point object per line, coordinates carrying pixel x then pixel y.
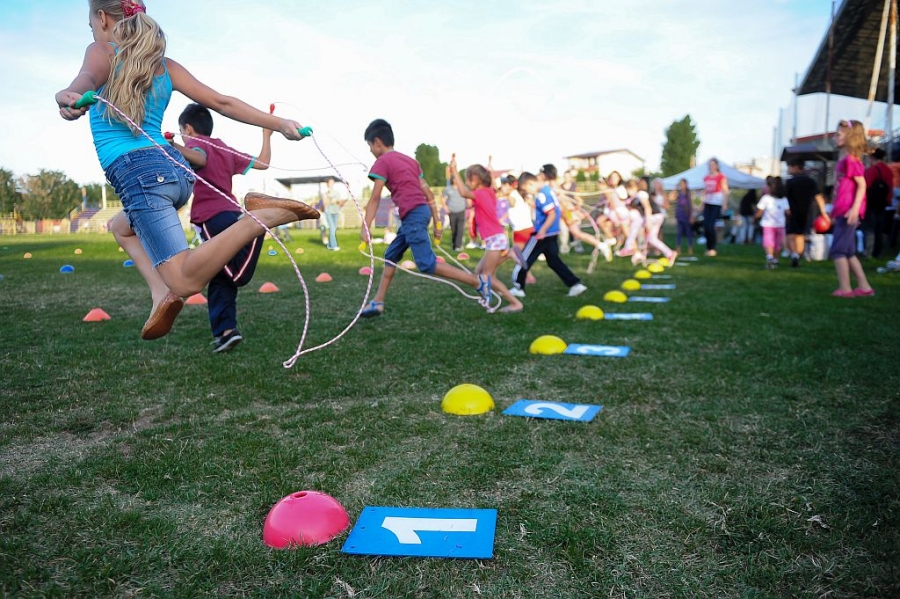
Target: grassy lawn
{"type": "Point", "coordinates": [748, 446]}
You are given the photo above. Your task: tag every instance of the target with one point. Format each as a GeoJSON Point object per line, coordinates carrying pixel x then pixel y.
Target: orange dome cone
{"type": "Point", "coordinates": [324, 278]}
{"type": "Point", "coordinates": [96, 315]}
{"type": "Point", "coordinates": [268, 287]}
{"type": "Point", "coordinates": [197, 299]}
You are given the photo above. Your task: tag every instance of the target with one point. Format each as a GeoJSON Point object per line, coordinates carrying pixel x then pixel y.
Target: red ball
{"type": "Point", "coordinates": [169, 135]}
{"type": "Point", "coordinates": [821, 224]}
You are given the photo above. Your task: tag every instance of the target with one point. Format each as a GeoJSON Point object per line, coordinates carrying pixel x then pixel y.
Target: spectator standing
{"type": "Point", "coordinates": [715, 202]}
{"type": "Point", "coordinates": [879, 190]}
{"type": "Point", "coordinates": [455, 205]}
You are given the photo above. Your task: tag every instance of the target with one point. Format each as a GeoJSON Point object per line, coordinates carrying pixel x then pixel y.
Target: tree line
{"type": "Point", "coordinates": [678, 154]}
{"type": "Point", "coordinates": [48, 194]}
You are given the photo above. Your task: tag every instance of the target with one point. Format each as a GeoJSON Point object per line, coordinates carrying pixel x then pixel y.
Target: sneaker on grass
{"type": "Point", "coordinates": [227, 342]}
{"type": "Point", "coordinates": [577, 289]}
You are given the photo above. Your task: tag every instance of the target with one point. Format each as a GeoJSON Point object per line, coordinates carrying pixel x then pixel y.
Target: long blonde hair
{"type": "Point", "coordinates": [855, 138]}
{"type": "Point", "coordinates": [141, 46]}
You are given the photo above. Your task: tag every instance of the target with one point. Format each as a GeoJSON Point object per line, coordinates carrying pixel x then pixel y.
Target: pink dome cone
{"type": "Point", "coordinates": [305, 518]}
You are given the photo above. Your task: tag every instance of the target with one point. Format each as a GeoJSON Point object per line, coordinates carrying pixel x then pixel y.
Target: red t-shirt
{"type": "Point", "coordinates": [401, 175]}
{"type": "Point", "coordinates": [485, 204]}
{"type": "Point", "coordinates": [713, 183]}
{"type": "Point", "coordinates": [879, 170]}
{"type": "Point", "coordinates": [221, 166]}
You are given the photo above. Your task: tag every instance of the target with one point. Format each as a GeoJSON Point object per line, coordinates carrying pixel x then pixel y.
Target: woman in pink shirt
{"type": "Point", "coordinates": [715, 202]}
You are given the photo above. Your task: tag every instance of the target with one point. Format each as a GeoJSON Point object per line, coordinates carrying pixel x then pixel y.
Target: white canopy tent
{"type": "Point", "coordinates": [694, 176]}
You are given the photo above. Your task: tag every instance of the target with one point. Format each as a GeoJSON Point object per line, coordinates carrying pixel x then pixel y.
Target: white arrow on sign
{"type": "Point", "coordinates": [598, 350]}
{"type": "Point", "coordinates": [537, 409]}
{"type": "Point", "coordinates": [405, 528]}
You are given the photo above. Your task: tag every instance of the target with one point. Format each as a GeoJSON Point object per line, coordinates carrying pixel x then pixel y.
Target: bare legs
{"type": "Point", "coordinates": [796, 244]}
{"type": "Point", "coordinates": [132, 245]}
{"type": "Point", "coordinates": [189, 271]}
{"type": "Point", "coordinates": [488, 266]}
{"type": "Point", "coordinates": [844, 267]}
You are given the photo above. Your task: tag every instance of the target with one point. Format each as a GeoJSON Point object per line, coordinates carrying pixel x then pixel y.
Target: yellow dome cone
{"type": "Point", "coordinates": [589, 313]}
{"type": "Point", "coordinates": [548, 345]}
{"type": "Point", "coordinates": [467, 400]}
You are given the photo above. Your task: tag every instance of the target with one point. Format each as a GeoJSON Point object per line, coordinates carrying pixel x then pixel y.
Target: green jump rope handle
{"type": "Point", "coordinates": [88, 99]}
{"type": "Point", "coordinates": [305, 132]}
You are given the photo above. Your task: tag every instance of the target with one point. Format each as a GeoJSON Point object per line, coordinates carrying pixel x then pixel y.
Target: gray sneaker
{"type": "Point", "coordinates": [227, 342]}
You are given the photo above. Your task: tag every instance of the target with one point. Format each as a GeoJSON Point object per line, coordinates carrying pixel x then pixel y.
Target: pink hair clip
{"type": "Point", "coordinates": [130, 8]}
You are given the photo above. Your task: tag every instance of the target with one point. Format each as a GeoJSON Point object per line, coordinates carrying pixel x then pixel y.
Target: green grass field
{"type": "Point", "coordinates": [748, 447]}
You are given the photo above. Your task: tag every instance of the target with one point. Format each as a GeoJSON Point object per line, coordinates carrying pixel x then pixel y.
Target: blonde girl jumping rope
{"type": "Point", "coordinates": [127, 66]}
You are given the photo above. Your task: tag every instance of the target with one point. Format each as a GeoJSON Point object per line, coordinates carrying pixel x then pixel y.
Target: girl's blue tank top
{"type": "Point", "coordinates": [113, 139]}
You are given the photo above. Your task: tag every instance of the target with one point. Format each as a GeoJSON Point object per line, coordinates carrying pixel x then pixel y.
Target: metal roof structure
{"type": "Point", "coordinates": [856, 29]}
{"type": "Point", "coordinates": [605, 153]}
{"type": "Point", "coordinates": [288, 182]}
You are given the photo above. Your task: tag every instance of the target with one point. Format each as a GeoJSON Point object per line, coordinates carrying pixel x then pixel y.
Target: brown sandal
{"type": "Point", "coordinates": [160, 322]}
{"type": "Point", "coordinates": [259, 201]}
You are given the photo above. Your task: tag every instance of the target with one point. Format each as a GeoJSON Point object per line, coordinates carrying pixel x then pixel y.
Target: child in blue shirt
{"type": "Point", "coordinates": [546, 232]}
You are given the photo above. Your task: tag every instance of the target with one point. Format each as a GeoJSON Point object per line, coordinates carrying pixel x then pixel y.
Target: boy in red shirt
{"type": "Point", "coordinates": [403, 177]}
{"type": "Point", "coordinates": [212, 213]}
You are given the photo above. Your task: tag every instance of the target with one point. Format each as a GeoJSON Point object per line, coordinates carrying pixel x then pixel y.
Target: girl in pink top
{"type": "Point", "coordinates": [483, 200]}
{"type": "Point", "coordinates": [849, 208]}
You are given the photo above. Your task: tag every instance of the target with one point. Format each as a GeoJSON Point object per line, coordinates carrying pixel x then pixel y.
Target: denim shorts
{"type": "Point", "coordinates": [152, 189]}
{"type": "Point", "coordinates": [413, 234]}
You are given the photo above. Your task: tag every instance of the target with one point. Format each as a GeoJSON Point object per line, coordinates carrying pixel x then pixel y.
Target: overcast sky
{"type": "Point", "coordinates": [525, 81]}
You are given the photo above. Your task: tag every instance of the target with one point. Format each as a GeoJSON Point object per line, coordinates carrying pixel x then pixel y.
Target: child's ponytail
{"type": "Point", "coordinates": [140, 49]}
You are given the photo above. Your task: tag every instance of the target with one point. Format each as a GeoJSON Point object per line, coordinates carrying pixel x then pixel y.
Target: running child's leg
{"type": "Point", "coordinates": [489, 264]}
{"type": "Point", "coordinates": [126, 238]}
{"type": "Point", "coordinates": [858, 273]}
{"type": "Point", "coordinates": [188, 272]}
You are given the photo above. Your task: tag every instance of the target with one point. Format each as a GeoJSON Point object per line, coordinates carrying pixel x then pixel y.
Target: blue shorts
{"type": "Point", "coordinates": [413, 234]}
{"type": "Point", "coordinates": [843, 239]}
{"type": "Point", "coordinates": [152, 189]}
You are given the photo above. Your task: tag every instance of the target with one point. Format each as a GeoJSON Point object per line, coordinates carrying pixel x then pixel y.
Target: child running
{"type": "Point", "coordinates": [849, 208]}
{"type": "Point", "coordinates": [127, 66]}
{"type": "Point", "coordinates": [413, 198]}
{"type": "Point", "coordinates": [773, 210]}
{"type": "Point", "coordinates": [496, 240]}
{"type": "Point", "coordinates": [544, 240]}
{"type": "Point", "coordinates": [519, 215]}
{"type": "Point", "coordinates": [214, 213]}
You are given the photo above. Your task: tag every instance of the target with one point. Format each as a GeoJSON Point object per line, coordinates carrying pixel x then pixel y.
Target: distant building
{"type": "Point", "coordinates": [624, 161]}
{"type": "Point", "coordinates": [760, 167]}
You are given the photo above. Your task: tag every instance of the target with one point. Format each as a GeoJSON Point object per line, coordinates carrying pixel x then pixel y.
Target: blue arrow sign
{"type": "Point", "coordinates": [658, 287]}
{"type": "Point", "coordinates": [606, 351]}
{"type": "Point", "coordinates": [423, 532]}
{"type": "Point", "coordinates": [553, 410]}
{"type": "Point", "coordinates": [635, 316]}
{"type": "Point", "coordinates": [649, 300]}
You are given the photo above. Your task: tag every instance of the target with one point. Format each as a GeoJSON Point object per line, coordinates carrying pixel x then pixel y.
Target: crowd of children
{"type": "Point", "coordinates": [521, 217]}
